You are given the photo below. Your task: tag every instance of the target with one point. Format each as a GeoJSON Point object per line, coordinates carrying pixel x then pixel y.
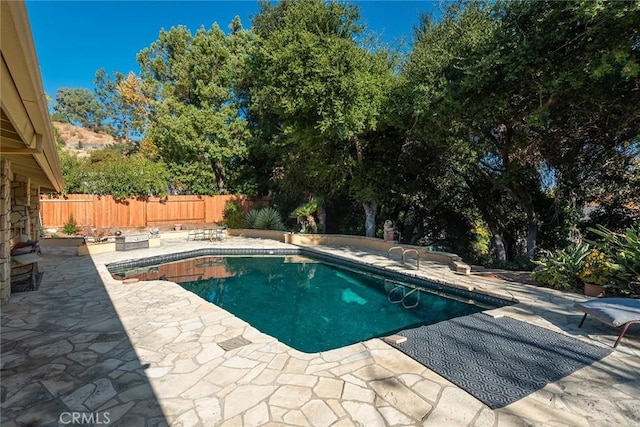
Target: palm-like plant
{"type": "Point", "coordinates": [304, 215]}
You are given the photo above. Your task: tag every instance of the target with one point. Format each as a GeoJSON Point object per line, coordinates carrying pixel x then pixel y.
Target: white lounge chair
{"type": "Point", "coordinates": [616, 312]}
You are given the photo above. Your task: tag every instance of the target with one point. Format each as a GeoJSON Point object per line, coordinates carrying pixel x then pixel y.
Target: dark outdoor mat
{"type": "Point", "coordinates": [498, 361]}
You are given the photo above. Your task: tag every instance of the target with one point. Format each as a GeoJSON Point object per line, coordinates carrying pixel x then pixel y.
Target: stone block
{"type": "Point", "coordinates": [17, 218]}
{"type": "Point", "coordinates": [21, 201]}
{"type": "Point", "coordinates": [461, 267]}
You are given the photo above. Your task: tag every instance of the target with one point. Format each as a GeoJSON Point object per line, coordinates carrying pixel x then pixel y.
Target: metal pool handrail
{"type": "Point", "coordinates": [417, 257]}
{"type": "Point", "coordinates": [394, 248]}
{"type": "Point", "coordinates": [404, 253]}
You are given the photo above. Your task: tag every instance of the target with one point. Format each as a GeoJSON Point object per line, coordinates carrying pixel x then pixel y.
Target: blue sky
{"type": "Point", "coordinates": [74, 39]}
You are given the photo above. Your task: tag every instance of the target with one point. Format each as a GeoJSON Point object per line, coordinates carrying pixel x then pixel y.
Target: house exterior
{"type": "Point", "coordinates": [28, 159]}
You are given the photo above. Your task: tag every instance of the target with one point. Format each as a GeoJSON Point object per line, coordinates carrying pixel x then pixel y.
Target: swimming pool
{"type": "Point", "coordinates": [307, 303]}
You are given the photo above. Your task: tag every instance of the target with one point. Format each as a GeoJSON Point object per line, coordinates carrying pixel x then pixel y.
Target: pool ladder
{"type": "Point", "coordinates": [404, 254]}
{"type": "Point", "coordinates": [403, 297]}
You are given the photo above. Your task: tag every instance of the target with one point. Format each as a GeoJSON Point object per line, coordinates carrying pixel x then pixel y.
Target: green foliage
{"type": "Point", "coordinates": [71, 226]}
{"type": "Point", "coordinates": [481, 242]}
{"type": "Point", "coordinates": [266, 218]}
{"type": "Point", "coordinates": [79, 106]}
{"type": "Point", "coordinates": [511, 89]}
{"type": "Point", "coordinates": [133, 176]}
{"type": "Point", "coordinates": [109, 172]}
{"type": "Point", "coordinates": [73, 172]}
{"type": "Point", "coordinates": [123, 102]}
{"type": "Point", "coordinates": [623, 249]}
{"type": "Point", "coordinates": [192, 178]}
{"type": "Point", "coordinates": [233, 216]}
{"type": "Point", "coordinates": [304, 215]}
{"type": "Point", "coordinates": [251, 217]}
{"type": "Point", "coordinates": [560, 268]}
{"type": "Point", "coordinates": [614, 263]}
{"type": "Point", "coordinates": [325, 90]}
{"type": "Point", "coordinates": [195, 113]}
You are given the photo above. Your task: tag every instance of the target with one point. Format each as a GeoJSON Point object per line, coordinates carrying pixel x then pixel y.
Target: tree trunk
{"type": "Point", "coordinates": [524, 198]}
{"type": "Point", "coordinates": [322, 218]}
{"type": "Point", "coordinates": [312, 223]}
{"type": "Point", "coordinates": [532, 234]}
{"type": "Point", "coordinates": [370, 210]}
{"type": "Point", "coordinates": [499, 246]}
{"type": "Point", "coordinates": [218, 170]}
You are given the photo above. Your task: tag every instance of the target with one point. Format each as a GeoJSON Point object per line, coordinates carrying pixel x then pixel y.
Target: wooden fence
{"type": "Point", "coordinates": [106, 212]}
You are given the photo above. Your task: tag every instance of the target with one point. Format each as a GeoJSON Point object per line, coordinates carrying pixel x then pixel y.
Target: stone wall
{"type": "Point", "coordinates": [34, 213]}
{"type": "Point", "coordinates": [5, 230]}
{"type": "Point", "coordinates": [19, 217]}
{"type": "Point", "coordinates": [20, 207]}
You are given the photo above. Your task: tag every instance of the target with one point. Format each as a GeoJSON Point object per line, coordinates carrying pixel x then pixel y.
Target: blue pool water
{"type": "Point", "coordinates": [313, 306]}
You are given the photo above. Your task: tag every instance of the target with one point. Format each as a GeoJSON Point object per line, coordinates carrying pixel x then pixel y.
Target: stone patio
{"type": "Point", "coordinates": [86, 349]}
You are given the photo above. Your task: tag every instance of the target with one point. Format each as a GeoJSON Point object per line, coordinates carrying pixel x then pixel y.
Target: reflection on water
{"type": "Point", "coordinates": [185, 270]}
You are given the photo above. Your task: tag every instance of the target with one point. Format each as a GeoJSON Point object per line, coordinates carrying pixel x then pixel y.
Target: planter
{"type": "Point", "coordinates": [592, 290]}
{"type": "Point", "coordinates": [177, 227]}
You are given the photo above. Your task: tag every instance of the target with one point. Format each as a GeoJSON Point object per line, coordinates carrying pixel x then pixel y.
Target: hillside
{"type": "Point", "coordinates": [81, 140]}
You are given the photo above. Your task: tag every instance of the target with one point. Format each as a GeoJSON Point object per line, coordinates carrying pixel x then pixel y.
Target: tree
{"type": "Point", "coordinates": [502, 88]}
{"type": "Point", "coordinates": [123, 102]}
{"type": "Point", "coordinates": [194, 112]}
{"type": "Point", "coordinates": [324, 93]}
{"type": "Point", "coordinates": [79, 107]}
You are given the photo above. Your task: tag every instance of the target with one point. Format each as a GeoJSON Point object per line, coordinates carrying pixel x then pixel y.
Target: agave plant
{"type": "Point", "coordinates": [265, 219]}
{"type": "Point", "coordinates": [250, 218]}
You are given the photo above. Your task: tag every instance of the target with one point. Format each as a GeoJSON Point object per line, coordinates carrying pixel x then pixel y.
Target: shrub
{"type": "Point", "coordinates": [233, 217]}
{"type": "Point", "coordinates": [269, 219]}
{"type": "Point", "coordinates": [597, 268]}
{"type": "Point", "coordinates": [265, 219]}
{"type": "Point", "coordinates": [623, 249]}
{"type": "Point", "coordinates": [560, 269]}
{"type": "Point", "coordinates": [71, 226]}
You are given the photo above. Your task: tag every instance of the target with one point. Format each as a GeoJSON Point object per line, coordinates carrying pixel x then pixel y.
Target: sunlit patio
{"type": "Point", "coordinates": [153, 354]}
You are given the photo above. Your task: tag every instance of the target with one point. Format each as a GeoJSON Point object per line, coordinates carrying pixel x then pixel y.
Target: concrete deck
{"type": "Point", "coordinates": [86, 349]}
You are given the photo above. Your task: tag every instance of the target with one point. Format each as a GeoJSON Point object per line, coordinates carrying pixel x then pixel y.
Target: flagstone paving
{"type": "Point", "coordinates": [88, 349]}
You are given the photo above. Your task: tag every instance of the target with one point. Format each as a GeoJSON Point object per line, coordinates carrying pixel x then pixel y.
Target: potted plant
{"type": "Point", "coordinates": [596, 272]}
